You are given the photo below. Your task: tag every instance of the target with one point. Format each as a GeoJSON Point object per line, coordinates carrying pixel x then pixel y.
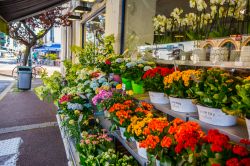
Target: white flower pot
{"type": "Point", "coordinates": [215, 116]}
{"type": "Point", "coordinates": [141, 151]}
{"type": "Point", "coordinates": [106, 114]}
{"type": "Point", "coordinates": [182, 105]}
{"type": "Point", "coordinates": [158, 98]}
{"type": "Point", "coordinates": [157, 162]}
{"type": "Point", "coordinates": [122, 131]}
{"type": "Point", "coordinates": [248, 126]}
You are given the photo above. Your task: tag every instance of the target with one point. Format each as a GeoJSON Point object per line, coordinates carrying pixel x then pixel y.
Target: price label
{"type": "Point", "coordinates": [123, 87]}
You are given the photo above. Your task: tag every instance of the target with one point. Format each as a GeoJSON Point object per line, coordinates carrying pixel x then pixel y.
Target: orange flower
{"type": "Point", "coordinates": [128, 102]}
{"type": "Point", "coordinates": [158, 124]}
{"type": "Point", "coordinates": [166, 142]}
{"type": "Point", "coordinates": [150, 142]}
{"type": "Point", "coordinates": [139, 109]}
{"type": "Point", "coordinates": [147, 105]}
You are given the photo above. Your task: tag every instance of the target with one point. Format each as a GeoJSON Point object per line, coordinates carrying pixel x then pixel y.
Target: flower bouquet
{"type": "Point", "coordinates": [180, 88]}
{"type": "Point", "coordinates": [153, 82]}
{"type": "Point", "coordinates": [214, 93]}
{"type": "Point", "coordinates": [133, 71]}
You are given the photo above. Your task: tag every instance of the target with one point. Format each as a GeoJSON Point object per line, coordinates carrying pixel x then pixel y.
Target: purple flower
{"type": "Point", "coordinates": [102, 95]}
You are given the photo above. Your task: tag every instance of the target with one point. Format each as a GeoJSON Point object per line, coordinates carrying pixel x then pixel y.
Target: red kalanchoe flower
{"type": "Point", "coordinates": [245, 141]}
{"type": "Point", "coordinates": [233, 162]}
{"type": "Point", "coordinates": [166, 142]}
{"type": "Point", "coordinates": [245, 162]}
{"type": "Point", "coordinates": [216, 164]}
{"type": "Point", "coordinates": [240, 150]}
{"type": "Point", "coordinates": [108, 62]}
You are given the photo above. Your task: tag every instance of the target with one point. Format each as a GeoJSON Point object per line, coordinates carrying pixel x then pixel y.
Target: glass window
{"type": "Point", "coordinates": [95, 28]}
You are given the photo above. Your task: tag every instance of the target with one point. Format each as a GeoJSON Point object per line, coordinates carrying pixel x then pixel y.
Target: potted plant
{"type": "Point", "coordinates": [241, 102]}
{"type": "Point", "coordinates": [214, 93]}
{"type": "Point", "coordinates": [133, 71]}
{"type": "Point", "coordinates": [120, 114]}
{"type": "Point", "coordinates": [153, 83]}
{"type": "Point", "coordinates": [180, 88]}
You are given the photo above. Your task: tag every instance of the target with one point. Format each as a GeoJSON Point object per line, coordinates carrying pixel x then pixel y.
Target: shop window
{"type": "Point", "coordinates": [95, 28]}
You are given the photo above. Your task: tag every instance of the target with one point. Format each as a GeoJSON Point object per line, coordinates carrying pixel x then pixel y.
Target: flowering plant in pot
{"type": "Point", "coordinates": [241, 102]}
{"type": "Point", "coordinates": [134, 71]}
{"type": "Point", "coordinates": [214, 92]}
{"type": "Point", "coordinates": [180, 87]}
{"type": "Point", "coordinates": [153, 82]}
{"type": "Point", "coordinates": [100, 97]}
{"type": "Point", "coordinates": [217, 150]}
{"type": "Point", "coordinates": [175, 143]}
{"type": "Point", "coordinates": [121, 113]}
{"type": "Point", "coordinates": [152, 133]}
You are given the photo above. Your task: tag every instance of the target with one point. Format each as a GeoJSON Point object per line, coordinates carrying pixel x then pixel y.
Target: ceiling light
{"type": "Point", "coordinates": [74, 17]}
{"type": "Point", "coordinates": [82, 9]}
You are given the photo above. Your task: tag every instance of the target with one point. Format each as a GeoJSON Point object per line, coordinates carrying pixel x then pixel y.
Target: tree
{"type": "Point", "coordinates": [30, 30]}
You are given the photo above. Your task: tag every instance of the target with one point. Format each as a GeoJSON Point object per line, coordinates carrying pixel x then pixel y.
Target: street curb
{"type": "Point", "coordinates": [6, 90]}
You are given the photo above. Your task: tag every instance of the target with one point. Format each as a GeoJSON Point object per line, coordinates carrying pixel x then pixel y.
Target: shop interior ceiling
{"type": "Point", "coordinates": [12, 10]}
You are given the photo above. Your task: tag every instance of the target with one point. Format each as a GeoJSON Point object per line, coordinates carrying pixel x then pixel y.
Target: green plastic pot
{"type": "Point", "coordinates": [137, 88]}
{"type": "Point", "coordinates": [127, 83]}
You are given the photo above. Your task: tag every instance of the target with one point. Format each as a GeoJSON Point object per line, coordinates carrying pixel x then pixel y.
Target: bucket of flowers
{"type": "Point", "coordinates": [179, 86]}
{"type": "Point", "coordinates": [153, 83]}
{"type": "Point", "coordinates": [213, 94]}
{"type": "Point", "coordinates": [133, 71]}
{"type": "Point", "coordinates": [241, 102]}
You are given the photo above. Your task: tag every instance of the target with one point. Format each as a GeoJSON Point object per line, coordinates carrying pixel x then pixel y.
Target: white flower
{"type": "Point", "coordinates": [146, 68]}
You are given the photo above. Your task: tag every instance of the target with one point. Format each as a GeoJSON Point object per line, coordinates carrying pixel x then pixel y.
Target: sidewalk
{"type": "Point", "coordinates": [24, 115]}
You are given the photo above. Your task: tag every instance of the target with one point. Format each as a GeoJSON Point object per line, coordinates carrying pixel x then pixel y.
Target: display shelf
{"type": "Point", "coordinates": [130, 146]}
{"type": "Point", "coordinates": [225, 64]}
{"type": "Point", "coordinates": [69, 145]}
{"type": "Point", "coordinates": [235, 133]}
{"type": "Point", "coordinates": [165, 108]}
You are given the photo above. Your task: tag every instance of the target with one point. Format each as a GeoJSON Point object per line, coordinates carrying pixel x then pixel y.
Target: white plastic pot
{"type": "Point", "coordinates": [106, 114]}
{"type": "Point", "coordinates": [158, 98]}
{"type": "Point", "coordinates": [215, 116]}
{"type": "Point", "coordinates": [182, 105]}
{"type": "Point", "coordinates": [157, 162]}
{"type": "Point", "coordinates": [141, 151]}
{"type": "Point", "coordinates": [122, 131]}
{"type": "Point", "coordinates": [248, 126]}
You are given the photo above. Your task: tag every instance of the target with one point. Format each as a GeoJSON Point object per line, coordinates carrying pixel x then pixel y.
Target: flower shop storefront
{"type": "Point", "coordinates": [183, 99]}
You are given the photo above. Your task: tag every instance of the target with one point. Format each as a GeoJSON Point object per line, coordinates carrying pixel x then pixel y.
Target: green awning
{"type": "Point", "coordinates": [4, 26]}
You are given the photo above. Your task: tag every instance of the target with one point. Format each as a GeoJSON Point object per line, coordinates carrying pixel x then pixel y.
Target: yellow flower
{"type": "Point", "coordinates": [247, 79]}
{"type": "Point", "coordinates": [140, 65]}
{"type": "Point", "coordinates": [77, 112]}
{"type": "Point", "coordinates": [130, 92]}
{"type": "Point", "coordinates": [62, 116]}
{"type": "Point", "coordinates": [71, 122]}
{"type": "Point", "coordinates": [119, 86]}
